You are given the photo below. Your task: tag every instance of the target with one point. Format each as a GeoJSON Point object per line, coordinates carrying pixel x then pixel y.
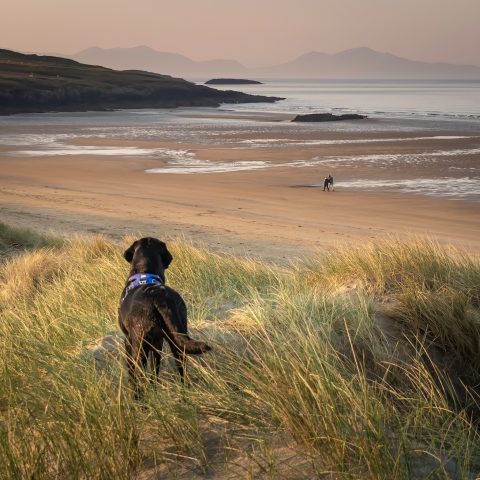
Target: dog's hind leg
{"type": "Point", "coordinates": [136, 357]}
{"type": "Point", "coordinates": [157, 357]}
{"type": "Point", "coordinates": [180, 360]}
{"type": "Point", "coordinates": [131, 364]}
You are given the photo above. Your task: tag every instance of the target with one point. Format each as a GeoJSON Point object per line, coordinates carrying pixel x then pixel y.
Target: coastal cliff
{"type": "Point", "coordinates": [34, 83]}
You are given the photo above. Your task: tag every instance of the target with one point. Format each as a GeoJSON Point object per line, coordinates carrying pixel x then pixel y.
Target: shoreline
{"type": "Point", "coordinates": [262, 213]}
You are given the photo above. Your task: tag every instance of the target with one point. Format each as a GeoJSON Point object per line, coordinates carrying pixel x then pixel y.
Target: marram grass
{"type": "Point", "coordinates": [360, 363]}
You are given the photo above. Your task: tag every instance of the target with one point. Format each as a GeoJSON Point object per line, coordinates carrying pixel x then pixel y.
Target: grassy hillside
{"type": "Point", "coordinates": [33, 83]}
{"type": "Point", "coordinates": [361, 363]}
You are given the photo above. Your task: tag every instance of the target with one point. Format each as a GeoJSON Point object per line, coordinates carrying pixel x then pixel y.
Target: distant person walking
{"type": "Point", "coordinates": [330, 181]}
{"type": "Point", "coordinates": [326, 184]}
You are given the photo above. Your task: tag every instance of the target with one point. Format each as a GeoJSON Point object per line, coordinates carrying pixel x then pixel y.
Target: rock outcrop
{"type": "Point", "coordinates": [232, 81]}
{"type": "Point", "coordinates": [327, 117]}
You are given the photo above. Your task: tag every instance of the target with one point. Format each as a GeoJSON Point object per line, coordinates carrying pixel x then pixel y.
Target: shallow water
{"type": "Point", "coordinates": [285, 142]}
{"type": "Point", "coordinates": [455, 188]}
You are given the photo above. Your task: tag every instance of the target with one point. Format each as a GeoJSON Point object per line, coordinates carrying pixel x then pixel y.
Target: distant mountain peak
{"type": "Point", "coordinates": [313, 53]}
{"type": "Point", "coordinates": [361, 50]}
{"type": "Point", "coordinates": [90, 49]}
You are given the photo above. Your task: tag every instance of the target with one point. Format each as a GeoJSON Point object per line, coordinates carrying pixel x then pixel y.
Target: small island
{"type": "Point", "coordinates": [327, 117]}
{"type": "Point", "coordinates": [232, 81]}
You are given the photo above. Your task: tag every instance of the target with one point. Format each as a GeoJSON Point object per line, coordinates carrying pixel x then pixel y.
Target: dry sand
{"type": "Point", "coordinates": [271, 214]}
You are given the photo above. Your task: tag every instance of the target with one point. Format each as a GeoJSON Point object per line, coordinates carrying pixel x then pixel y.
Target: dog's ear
{"type": "Point", "coordinates": [166, 256]}
{"type": "Point", "coordinates": [129, 252]}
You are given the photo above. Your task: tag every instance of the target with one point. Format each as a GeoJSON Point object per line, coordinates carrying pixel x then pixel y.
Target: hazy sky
{"type": "Point", "coordinates": [255, 32]}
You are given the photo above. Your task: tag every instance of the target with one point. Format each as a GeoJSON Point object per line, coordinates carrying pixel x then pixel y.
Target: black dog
{"type": "Point", "coordinates": [151, 312]}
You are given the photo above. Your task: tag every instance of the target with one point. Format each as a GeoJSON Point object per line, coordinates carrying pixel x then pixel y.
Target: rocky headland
{"type": "Point", "coordinates": [34, 83]}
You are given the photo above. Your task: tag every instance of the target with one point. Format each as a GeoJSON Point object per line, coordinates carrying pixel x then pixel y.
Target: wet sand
{"type": "Point", "coordinates": [275, 213]}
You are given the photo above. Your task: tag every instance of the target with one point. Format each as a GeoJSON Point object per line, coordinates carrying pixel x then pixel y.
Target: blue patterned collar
{"type": "Point", "coordinates": [141, 279]}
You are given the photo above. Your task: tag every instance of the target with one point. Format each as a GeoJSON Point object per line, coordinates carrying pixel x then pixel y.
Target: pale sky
{"type": "Point", "coordinates": [255, 32]}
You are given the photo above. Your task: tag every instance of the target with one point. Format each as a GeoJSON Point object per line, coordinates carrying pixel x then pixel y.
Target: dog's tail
{"type": "Point", "coordinates": [188, 345]}
{"type": "Point", "coordinates": [181, 340]}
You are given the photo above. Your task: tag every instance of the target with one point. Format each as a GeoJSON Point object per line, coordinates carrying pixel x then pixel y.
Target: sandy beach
{"type": "Point", "coordinates": [276, 210]}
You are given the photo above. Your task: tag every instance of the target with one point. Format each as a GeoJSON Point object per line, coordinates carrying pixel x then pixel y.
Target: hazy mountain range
{"type": "Point", "coordinates": [360, 63]}
{"type": "Point", "coordinates": [145, 58]}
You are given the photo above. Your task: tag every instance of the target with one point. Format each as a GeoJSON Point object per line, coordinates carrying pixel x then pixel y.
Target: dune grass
{"type": "Point", "coordinates": [359, 363]}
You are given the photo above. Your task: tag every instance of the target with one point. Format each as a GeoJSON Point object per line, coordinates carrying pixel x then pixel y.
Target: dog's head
{"type": "Point", "coordinates": [148, 254]}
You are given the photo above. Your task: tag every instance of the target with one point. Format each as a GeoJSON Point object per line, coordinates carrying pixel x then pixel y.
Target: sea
{"type": "Point", "coordinates": [398, 111]}
{"type": "Point", "coordinates": [390, 98]}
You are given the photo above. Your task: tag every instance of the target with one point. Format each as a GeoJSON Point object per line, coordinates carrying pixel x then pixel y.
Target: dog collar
{"type": "Point", "coordinates": [141, 279]}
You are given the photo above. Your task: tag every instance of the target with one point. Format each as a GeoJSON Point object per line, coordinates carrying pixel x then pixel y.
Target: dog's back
{"type": "Point", "coordinates": [142, 312]}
